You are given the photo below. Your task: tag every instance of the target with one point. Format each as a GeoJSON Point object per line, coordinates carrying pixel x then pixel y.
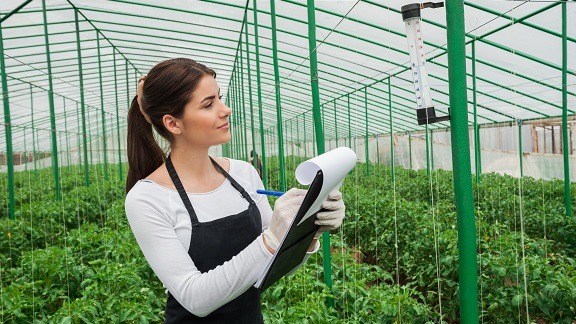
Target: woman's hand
{"type": "Point", "coordinates": [285, 210]}
{"type": "Point", "coordinates": [332, 215]}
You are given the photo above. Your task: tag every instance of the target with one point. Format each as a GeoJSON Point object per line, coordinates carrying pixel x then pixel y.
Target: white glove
{"type": "Point", "coordinates": [333, 214]}
{"type": "Point", "coordinates": [285, 210]}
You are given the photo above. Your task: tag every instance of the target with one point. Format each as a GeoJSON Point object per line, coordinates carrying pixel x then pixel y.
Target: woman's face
{"type": "Point", "coordinates": [205, 118]}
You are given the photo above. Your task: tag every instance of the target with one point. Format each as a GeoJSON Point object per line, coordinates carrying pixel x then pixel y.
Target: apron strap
{"type": "Point", "coordinates": [235, 184]}
{"type": "Point", "coordinates": [181, 191]}
{"type": "Point", "coordinates": [184, 195]}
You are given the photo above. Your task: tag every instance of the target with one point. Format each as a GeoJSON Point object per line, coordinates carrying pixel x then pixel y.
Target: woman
{"type": "Point", "coordinates": [198, 220]}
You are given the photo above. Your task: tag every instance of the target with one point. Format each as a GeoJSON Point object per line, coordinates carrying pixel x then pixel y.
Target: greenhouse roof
{"type": "Point", "coordinates": [361, 45]}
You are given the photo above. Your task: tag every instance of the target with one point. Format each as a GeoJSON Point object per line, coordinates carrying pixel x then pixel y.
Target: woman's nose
{"type": "Point", "coordinates": [227, 111]}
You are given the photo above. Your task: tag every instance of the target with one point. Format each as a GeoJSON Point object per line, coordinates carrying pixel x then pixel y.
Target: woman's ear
{"type": "Point", "coordinates": [172, 124]}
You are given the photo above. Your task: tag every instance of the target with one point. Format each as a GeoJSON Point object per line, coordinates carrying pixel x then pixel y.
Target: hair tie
{"type": "Point", "coordinates": [139, 94]}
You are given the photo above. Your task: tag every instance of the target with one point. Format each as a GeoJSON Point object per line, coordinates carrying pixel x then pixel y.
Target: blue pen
{"type": "Point", "coordinates": [270, 192]}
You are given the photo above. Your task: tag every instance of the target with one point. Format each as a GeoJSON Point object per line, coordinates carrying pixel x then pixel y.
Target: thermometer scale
{"type": "Point", "coordinates": [425, 112]}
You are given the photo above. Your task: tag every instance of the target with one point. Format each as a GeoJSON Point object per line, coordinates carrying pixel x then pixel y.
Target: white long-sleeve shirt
{"type": "Point", "coordinates": [162, 227]}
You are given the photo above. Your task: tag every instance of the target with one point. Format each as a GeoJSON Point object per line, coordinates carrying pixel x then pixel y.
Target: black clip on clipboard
{"type": "Point", "coordinates": [298, 239]}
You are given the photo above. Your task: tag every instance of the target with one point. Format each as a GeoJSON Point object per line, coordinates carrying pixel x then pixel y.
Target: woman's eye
{"type": "Point", "coordinates": [220, 97]}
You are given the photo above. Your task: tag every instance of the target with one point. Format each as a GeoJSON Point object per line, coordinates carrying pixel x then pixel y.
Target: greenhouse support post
{"type": "Point", "coordinates": [259, 92]}
{"type": "Point", "coordinates": [278, 101]}
{"type": "Point", "coordinates": [565, 142]}
{"type": "Point", "coordinates": [432, 149]}
{"type": "Point", "coordinates": [520, 148]}
{"type": "Point", "coordinates": [66, 132]}
{"type": "Point", "coordinates": [367, 152]}
{"type": "Point", "coordinates": [392, 173]}
{"type": "Point", "coordinates": [467, 254]}
{"type": "Point", "coordinates": [55, 170]}
{"type": "Point", "coordinates": [305, 139]}
{"type": "Point", "coordinates": [477, 151]}
{"type": "Point", "coordinates": [319, 130]}
{"type": "Point", "coordinates": [82, 101]}
{"type": "Point", "coordinates": [349, 123]}
{"type": "Point", "coordinates": [34, 142]}
{"type": "Point", "coordinates": [8, 129]}
{"type": "Point", "coordinates": [250, 99]}
{"type": "Point", "coordinates": [104, 142]}
{"type": "Point", "coordinates": [243, 103]}
{"type": "Point", "coordinates": [120, 175]}
{"type": "Point", "coordinates": [410, 148]}
{"type": "Point", "coordinates": [427, 140]}
{"type": "Point", "coordinates": [335, 124]}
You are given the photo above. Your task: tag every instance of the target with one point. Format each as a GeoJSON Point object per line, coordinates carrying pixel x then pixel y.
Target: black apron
{"type": "Point", "coordinates": [213, 243]}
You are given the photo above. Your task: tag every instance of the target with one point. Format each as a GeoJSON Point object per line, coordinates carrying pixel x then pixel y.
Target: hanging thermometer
{"type": "Point", "coordinates": [424, 107]}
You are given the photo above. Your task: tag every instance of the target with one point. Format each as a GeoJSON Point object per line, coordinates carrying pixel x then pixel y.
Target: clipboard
{"type": "Point", "coordinates": [297, 240]}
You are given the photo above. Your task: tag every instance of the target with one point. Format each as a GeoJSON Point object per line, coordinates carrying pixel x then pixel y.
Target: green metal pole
{"type": "Point", "coordinates": [55, 170]}
{"type": "Point", "coordinates": [104, 145]}
{"type": "Point", "coordinates": [477, 151]}
{"type": "Point", "coordinates": [520, 148]}
{"type": "Point", "coordinates": [432, 149]}
{"type": "Point", "coordinates": [82, 102]}
{"type": "Point", "coordinates": [66, 132]}
{"type": "Point", "coordinates": [25, 155]}
{"type": "Point", "coordinates": [278, 102]}
{"type": "Point", "coordinates": [8, 15]}
{"type": "Point", "coordinates": [243, 102]}
{"type": "Point", "coordinates": [298, 134]}
{"type": "Point", "coordinates": [427, 152]}
{"type": "Point", "coordinates": [120, 176]}
{"type": "Point", "coordinates": [259, 91]}
{"type": "Point", "coordinates": [128, 101]}
{"type": "Point", "coordinates": [78, 132]}
{"type": "Point", "coordinates": [377, 149]}
{"type": "Point", "coordinates": [349, 123]}
{"type": "Point", "coordinates": [335, 123]}
{"type": "Point", "coordinates": [392, 173]}
{"type": "Point", "coordinates": [366, 131]}
{"type": "Point", "coordinates": [239, 138]}
{"type": "Point", "coordinates": [565, 141]}
{"type": "Point", "coordinates": [410, 148]}
{"type": "Point", "coordinates": [319, 131]}
{"type": "Point", "coordinates": [255, 160]}
{"type": "Point", "coordinates": [234, 126]}
{"type": "Point", "coordinates": [34, 138]}
{"type": "Point", "coordinates": [7, 129]}
{"type": "Point", "coordinates": [467, 254]}
{"type": "Point", "coordinates": [240, 118]}
{"type": "Point", "coordinates": [305, 139]}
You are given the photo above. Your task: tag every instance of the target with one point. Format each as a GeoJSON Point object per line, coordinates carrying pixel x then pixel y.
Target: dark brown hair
{"type": "Point", "coordinates": [167, 89]}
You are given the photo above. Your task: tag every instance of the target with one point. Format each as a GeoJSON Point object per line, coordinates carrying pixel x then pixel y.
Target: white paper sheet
{"type": "Point", "coordinates": [335, 165]}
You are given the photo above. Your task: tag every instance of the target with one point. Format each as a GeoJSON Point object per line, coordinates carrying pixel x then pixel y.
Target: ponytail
{"type": "Point", "coordinates": [144, 154]}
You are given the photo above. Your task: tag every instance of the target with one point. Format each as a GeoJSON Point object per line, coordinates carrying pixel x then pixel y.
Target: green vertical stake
{"type": "Point", "coordinates": [565, 140]}
{"type": "Point", "coordinates": [104, 144]}
{"type": "Point", "coordinates": [477, 156]}
{"type": "Point", "coordinates": [259, 92]}
{"type": "Point", "coordinates": [34, 139]}
{"type": "Point", "coordinates": [120, 176]}
{"type": "Point", "coordinates": [82, 101]}
{"type": "Point", "coordinates": [278, 101]}
{"type": "Point", "coordinates": [467, 253]}
{"type": "Point", "coordinates": [7, 129]}
{"type": "Point", "coordinates": [55, 170]}
{"type": "Point", "coordinates": [319, 132]}
{"type": "Point", "coordinates": [392, 165]}
{"type": "Point", "coordinates": [366, 130]}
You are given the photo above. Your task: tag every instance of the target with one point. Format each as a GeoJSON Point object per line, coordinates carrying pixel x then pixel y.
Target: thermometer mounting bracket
{"type": "Point", "coordinates": [428, 116]}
